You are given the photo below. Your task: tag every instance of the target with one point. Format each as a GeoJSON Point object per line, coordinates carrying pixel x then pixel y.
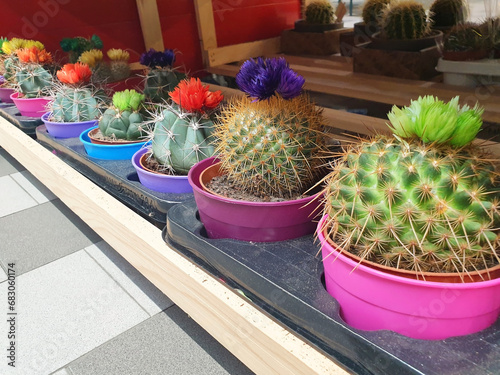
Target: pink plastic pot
{"type": "Point", "coordinates": [30, 107]}
{"type": "Point", "coordinates": [372, 300]}
{"type": "Point", "coordinates": [251, 221]}
{"type": "Point", "coordinates": [5, 94]}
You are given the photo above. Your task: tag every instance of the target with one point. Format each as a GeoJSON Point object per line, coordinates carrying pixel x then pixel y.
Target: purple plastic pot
{"type": "Point", "coordinates": [30, 107]}
{"type": "Point", "coordinates": [5, 94]}
{"type": "Point", "coordinates": [251, 221]}
{"type": "Point", "coordinates": [160, 182]}
{"type": "Point", "coordinates": [66, 129]}
{"type": "Point", "coordinates": [372, 300]}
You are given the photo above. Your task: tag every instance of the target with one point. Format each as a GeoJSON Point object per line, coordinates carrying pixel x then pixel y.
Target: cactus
{"type": "Point", "coordinates": [319, 12]}
{"type": "Point", "coordinates": [119, 66]}
{"type": "Point", "coordinates": [181, 135]}
{"type": "Point", "coordinates": [32, 79]}
{"type": "Point", "coordinates": [465, 37]}
{"type": "Point", "coordinates": [421, 205]}
{"type": "Point", "coordinates": [123, 120]}
{"type": "Point", "coordinates": [76, 46]}
{"type": "Point", "coordinates": [101, 71]}
{"type": "Point", "coordinates": [448, 13]}
{"type": "Point", "coordinates": [74, 100]}
{"type": "Point", "coordinates": [372, 11]}
{"type": "Point", "coordinates": [404, 20]}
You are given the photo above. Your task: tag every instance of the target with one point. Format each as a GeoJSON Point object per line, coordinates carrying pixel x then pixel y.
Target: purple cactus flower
{"type": "Point", "coordinates": [263, 78]}
{"type": "Point", "coordinates": [153, 58]}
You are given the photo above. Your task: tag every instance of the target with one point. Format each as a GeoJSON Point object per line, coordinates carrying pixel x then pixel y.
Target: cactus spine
{"type": "Point", "coordinates": [319, 12]}
{"type": "Point", "coordinates": [33, 81]}
{"type": "Point", "coordinates": [404, 20]}
{"type": "Point", "coordinates": [372, 11]}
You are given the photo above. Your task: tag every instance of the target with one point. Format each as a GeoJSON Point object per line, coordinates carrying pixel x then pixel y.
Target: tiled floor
{"type": "Point", "coordinates": [82, 309]}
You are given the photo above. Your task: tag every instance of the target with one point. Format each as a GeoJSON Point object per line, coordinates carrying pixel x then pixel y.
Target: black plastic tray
{"type": "Point", "coordinates": [285, 280]}
{"type": "Point", "coordinates": [117, 177]}
{"type": "Point", "coordinates": [27, 124]}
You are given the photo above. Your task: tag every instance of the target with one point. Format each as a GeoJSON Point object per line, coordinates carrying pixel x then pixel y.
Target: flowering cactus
{"type": "Point", "coordinates": [32, 79]}
{"type": "Point", "coordinates": [119, 63]}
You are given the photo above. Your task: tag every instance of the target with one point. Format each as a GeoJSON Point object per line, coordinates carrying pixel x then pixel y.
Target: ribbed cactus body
{"type": "Point", "coordinates": [121, 124]}
{"type": "Point", "coordinates": [75, 105]}
{"type": "Point", "coordinates": [119, 69]}
{"type": "Point", "coordinates": [271, 146]}
{"type": "Point", "coordinates": [159, 82]}
{"type": "Point", "coordinates": [372, 11]}
{"type": "Point", "coordinates": [9, 65]}
{"type": "Point", "coordinates": [448, 13]}
{"type": "Point", "coordinates": [405, 20]}
{"type": "Point", "coordinates": [319, 12]}
{"type": "Point", "coordinates": [33, 81]}
{"type": "Point", "coordinates": [408, 205]}
{"type": "Point", "coordinates": [180, 141]}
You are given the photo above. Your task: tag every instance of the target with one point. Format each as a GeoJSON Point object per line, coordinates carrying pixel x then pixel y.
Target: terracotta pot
{"type": "Point", "coordinates": [411, 45]}
{"type": "Point", "coordinates": [466, 55]}
{"type": "Point", "coordinates": [93, 139]}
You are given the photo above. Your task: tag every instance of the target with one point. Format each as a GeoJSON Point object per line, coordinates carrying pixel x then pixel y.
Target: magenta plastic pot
{"type": "Point", "coordinates": [373, 300]}
{"type": "Point", "coordinates": [66, 129]}
{"type": "Point", "coordinates": [5, 94]}
{"type": "Point", "coordinates": [30, 107]}
{"type": "Point", "coordinates": [160, 182]}
{"type": "Point", "coordinates": [251, 221]}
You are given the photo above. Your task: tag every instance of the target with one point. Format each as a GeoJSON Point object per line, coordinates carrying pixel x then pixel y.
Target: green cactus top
{"type": "Point", "coordinates": [128, 100]}
{"type": "Point", "coordinates": [319, 12]}
{"type": "Point", "coordinates": [372, 11]}
{"type": "Point", "coordinates": [405, 19]}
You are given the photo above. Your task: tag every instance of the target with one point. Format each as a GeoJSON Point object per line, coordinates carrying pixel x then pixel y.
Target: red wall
{"type": "Point", "coordinates": [117, 23]}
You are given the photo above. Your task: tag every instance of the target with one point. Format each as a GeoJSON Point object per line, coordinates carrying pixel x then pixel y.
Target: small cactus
{"type": "Point", "coordinates": [319, 12]}
{"type": "Point", "coordinates": [448, 13]}
{"type": "Point", "coordinates": [372, 11]}
{"type": "Point", "coordinates": [76, 46]}
{"type": "Point", "coordinates": [465, 37]}
{"type": "Point", "coordinates": [94, 58]}
{"type": "Point", "coordinates": [32, 79]}
{"type": "Point", "coordinates": [119, 66]}
{"type": "Point", "coordinates": [404, 19]}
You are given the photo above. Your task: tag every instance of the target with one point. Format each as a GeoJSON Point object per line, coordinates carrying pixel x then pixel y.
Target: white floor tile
{"type": "Point", "coordinates": [13, 198]}
{"type": "Point", "coordinates": [65, 309]}
{"type": "Point", "coordinates": [3, 275]}
{"type": "Point", "coordinates": [34, 187]}
{"type": "Point", "coordinates": [145, 293]}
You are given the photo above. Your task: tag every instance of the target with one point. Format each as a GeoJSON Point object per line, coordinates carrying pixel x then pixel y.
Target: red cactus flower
{"type": "Point", "coordinates": [34, 55]}
{"type": "Point", "coordinates": [74, 73]}
{"type": "Point", "coordinates": [193, 96]}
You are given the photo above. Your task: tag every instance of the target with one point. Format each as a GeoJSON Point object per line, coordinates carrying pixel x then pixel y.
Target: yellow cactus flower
{"type": "Point", "coordinates": [91, 58]}
{"type": "Point", "coordinates": [118, 54]}
{"type": "Point", "coordinates": [14, 44]}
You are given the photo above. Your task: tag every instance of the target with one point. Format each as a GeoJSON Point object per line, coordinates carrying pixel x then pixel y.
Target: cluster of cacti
{"type": "Point", "coordinates": [181, 135]}
{"type": "Point", "coordinates": [427, 203]}
{"type": "Point", "coordinates": [32, 78]}
{"type": "Point", "coordinates": [319, 12]}
{"type": "Point", "coordinates": [102, 71]}
{"type": "Point", "coordinates": [76, 46]}
{"type": "Point", "coordinates": [123, 120]}
{"type": "Point", "coordinates": [404, 20]}
{"type": "Point", "coordinates": [448, 13]}
{"type": "Point", "coordinates": [74, 100]}
{"type": "Point", "coordinates": [272, 145]}
{"type": "Point", "coordinates": [465, 37]}
{"type": "Point", "coordinates": [161, 78]}
{"type": "Point", "coordinates": [372, 11]}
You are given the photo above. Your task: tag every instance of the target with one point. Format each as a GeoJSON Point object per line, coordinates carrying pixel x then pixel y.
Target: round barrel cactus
{"type": "Point", "coordinates": [123, 120]}
{"type": "Point", "coordinates": [372, 11]}
{"type": "Point", "coordinates": [404, 20]}
{"type": "Point", "coordinates": [319, 12]}
{"type": "Point", "coordinates": [32, 79]}
{"type": "Point", "coordinates": [448, 13]}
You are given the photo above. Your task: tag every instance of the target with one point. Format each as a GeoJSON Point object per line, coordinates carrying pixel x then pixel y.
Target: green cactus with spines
{"type": "Point", "coordinates": [33, 80]}
{"type": "Point", "coordinates": [465, 37]}
{"type": "Point", "coordinates": [75, 104]}
{"type": "Point", "coordinates": [448, 13]}
{"type": "Point", "coordinates": [423, 206]}
{"type": "Point", "coordinates": [159, 82]}
{"type": "Point", "coordinates": [124, 120]}
{"type": "Point", "coordinates": [404, 20]}
{"type": "Point", "coordinates": [372, 11]}
{"type": "Point", "coordinates": [271, 147]}
{"type": "Point", "coordinates": [319, 12]}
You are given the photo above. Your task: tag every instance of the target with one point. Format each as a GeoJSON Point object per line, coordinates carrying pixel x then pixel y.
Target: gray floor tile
{"type": "Point", "coordinates": [168, 343]}
{"type": "Point", "coordinates": [62, 371]}
{"type": "Point", "coordinates": [8, 164]}
{"type": "Point", "coordinates": [13, 197]}
{"type": "Point", "coordinates": [3, 275]}
{"type": "Point", "coordinates": [66, 309]}
{"type": "Point", "coordinates": [139, 288]}
{"type": "Point", "coordinates": [33, 187]}
{"type": "Point", "coordinates": [42, 234]}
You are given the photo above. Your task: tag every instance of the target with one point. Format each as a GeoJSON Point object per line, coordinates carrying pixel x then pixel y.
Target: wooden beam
{"type": "Point", "coordinates": [206, 27]}
{"type": "Point", "coordinates": [150, 24]}
{"type": "Point", "coordinates": [243, 51]}
{"type": "Point", "coordinates": [252, 336]}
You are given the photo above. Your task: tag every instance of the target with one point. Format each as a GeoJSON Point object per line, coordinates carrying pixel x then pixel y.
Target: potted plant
{"type": "Point", "coordinates": [448, 13]}
{"type": "Point", "coordinates": [32, 80]}
{"type": "Point", "coordinates": [75, 105]}
{"type": "Point", "coordinates": [121, 129]}
{"type": "Point", "coordinates": [77, 45]}
{"type": "Point", "coordinates": [118, 64]}
{"type": "Point", "coordinates": [319, 17]}
{"type": "Point", "coordinates": [371, 15]}
{"type": "Point", "coordinates": [181, 137]}
{"type": "Point", "coordinates": [410, 231]}
{"type": "Point", "coordinates": [270, 146]}
{"type": "Point", "coordinates": [94, 58]}
{"type": "Point", "coordinates": [161, 78]}
{"type": "Point", "coordinates": [465, 42]}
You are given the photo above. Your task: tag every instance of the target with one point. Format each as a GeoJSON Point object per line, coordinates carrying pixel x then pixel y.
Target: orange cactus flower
{"type": "Point", "coordinates": [34, 55]}
{"type": "Point", "coordinates": [74, 73]}
{"type": "Point", "coordinates": [193, 96]}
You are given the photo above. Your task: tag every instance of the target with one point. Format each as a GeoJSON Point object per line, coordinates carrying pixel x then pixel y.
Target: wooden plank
{"type": "Point", "coordinates": [206, 27]}
{"type": "Point", "coordinates": [150, 24]}
{"type": "Point", "coordinates": [243, 51]}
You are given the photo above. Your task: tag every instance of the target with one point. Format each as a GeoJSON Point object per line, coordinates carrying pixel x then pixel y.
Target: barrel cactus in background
{"type": "Point", "coordinates": [32, 78]}
{"type": "Point", "coordinates": [466, 36]}
{"type": "Point", "coordinates": [271, 143]}
{"type": "Point", "coordinates": [424, 199]}
{"type": "Point", "coordinates": [74, 99]}
{"type": "Point", "coordinates": [404, 19]}
{"type": "Point", "coordinates": [123, 120]}
{"type": "Point", "coordinates": [319, 12]}
{"type": "Point", "coordinates": [161, 77]}
{"type": "Point", "coordinates": [372, 11]}
{"type": "Point", "coordinates": [76, 46]}
{"type": "Point", "coordinates": [182, 131]}
{"type": "Point", "coordinates": [448, 13]}
{"type": "Point", "coordinates": [119, 66]}
{"type": "Point", "coordinates": [94, 58]}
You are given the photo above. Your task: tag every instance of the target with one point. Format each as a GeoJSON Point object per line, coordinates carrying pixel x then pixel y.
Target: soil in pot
{"type": "Point", "coordinates": [97, 137]}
